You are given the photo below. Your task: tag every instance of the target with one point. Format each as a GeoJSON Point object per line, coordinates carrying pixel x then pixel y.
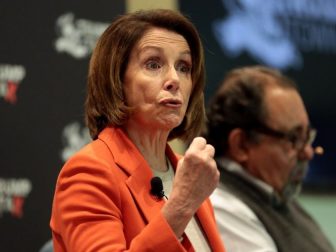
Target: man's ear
{"type": "Point", "coordinates": [237, 143]}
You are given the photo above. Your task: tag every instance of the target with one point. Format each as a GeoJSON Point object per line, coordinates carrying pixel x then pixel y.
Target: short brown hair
{"type": "Point", "coordinates": [239, 102]}
{"type": "Point", "coordinates": [105, 104]}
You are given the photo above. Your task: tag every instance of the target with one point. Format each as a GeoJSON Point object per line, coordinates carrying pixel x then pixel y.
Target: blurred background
{"type": "Point", "coordinates": [45, 48]}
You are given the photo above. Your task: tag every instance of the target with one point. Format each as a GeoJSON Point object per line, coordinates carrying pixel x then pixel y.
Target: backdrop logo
{"type": "Point", "coordinates": [74, 137]}
{"type": "Point", "coordinates": [275, 32]}
{"type": "Point", "coordinates": [10, 79]}
{"type": "Point", "coordinates": [77, 37]}
{"type": "Point", "coordinates": [13, 192]}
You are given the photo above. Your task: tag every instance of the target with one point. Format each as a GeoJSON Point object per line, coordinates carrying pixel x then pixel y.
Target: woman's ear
{"type": "Point", "coordinates": [237, 143]}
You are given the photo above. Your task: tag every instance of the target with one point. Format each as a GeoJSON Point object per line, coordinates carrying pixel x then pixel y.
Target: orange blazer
{"type": "Point", "coordinates": [102, 202]}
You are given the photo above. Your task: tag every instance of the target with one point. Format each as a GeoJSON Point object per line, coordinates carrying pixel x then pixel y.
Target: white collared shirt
{"type": "Point", "coordinates": [239, 227]}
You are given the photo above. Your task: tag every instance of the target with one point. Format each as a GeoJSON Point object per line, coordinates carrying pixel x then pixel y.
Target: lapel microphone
{"type": "Point", "coordinates": [157, 188]}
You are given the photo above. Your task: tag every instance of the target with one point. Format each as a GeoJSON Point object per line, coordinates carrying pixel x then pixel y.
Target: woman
{"type": "Point", "coordinates": [145, 87]}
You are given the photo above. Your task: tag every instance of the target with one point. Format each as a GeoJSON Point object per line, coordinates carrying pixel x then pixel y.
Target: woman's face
{"type": "Point", "coordinates": [157, 81]}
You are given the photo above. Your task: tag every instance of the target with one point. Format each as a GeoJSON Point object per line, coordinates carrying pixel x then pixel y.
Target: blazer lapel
{"type": "Point", "coordinates": [129, 159]}
{"type": "Point", "coordinates": [139, 185]}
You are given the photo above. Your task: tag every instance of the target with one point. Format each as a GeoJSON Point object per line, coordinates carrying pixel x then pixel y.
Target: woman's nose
{"type": "Point", "coordinates": [172, 81]}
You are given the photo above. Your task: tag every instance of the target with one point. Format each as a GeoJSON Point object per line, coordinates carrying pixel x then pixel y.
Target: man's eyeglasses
{"type": "Point", "coordinates": [293, 137]}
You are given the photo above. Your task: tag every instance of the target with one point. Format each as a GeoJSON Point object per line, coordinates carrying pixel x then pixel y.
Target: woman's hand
{"type": "Point", "coordinates": [197, 174]}
{"type": "Point", "coordinates": [196, 178]}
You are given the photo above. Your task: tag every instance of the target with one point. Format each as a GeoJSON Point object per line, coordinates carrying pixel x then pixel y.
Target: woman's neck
{"type": "Point", "coordinates": [152, 145]}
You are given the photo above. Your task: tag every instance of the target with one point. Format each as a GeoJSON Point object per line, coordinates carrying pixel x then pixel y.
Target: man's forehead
{"type": "Point", "coordinates": [285, 109]}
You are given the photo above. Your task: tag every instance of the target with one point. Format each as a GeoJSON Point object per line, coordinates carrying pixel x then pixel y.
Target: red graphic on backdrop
{"type": "Point", "coordinates": [11, 92]}
{"type": "Point", "coordinates": [10, 79]}
{"type": "Point", "coordinates": [17, 210]}
{"type": "Point", "coordinates": [13, 193]}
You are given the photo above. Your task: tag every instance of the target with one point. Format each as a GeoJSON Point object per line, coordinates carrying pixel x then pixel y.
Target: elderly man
{"type": "Point", "coordinates": [260, 129]}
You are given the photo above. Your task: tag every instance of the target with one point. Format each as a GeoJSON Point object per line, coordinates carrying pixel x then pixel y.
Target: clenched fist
{"type": "Point", "coordinates": [197, 175]}
{"type": "Point", "coordinates": [196, 178]}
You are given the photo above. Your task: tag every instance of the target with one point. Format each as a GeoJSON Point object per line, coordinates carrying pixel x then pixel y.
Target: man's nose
{"type": "Point", "coordinates": [307, 153]}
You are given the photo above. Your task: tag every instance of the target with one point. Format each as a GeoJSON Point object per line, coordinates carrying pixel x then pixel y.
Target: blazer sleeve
{"type": "Point", "coordinates": [87, 213]}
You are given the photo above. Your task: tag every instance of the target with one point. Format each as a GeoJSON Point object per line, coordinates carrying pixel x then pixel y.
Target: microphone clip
{"type": "Point", "coordinates": [157, 188]}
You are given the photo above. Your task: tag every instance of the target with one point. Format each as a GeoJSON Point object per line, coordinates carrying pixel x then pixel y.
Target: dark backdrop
{"type": "Point", "coordinates": [44, 54]}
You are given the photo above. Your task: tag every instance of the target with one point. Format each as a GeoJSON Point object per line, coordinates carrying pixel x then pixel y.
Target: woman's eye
{"type": "Point", "coordinates": [184, 67]}
{"type": "Point", "coordinates": [153, 65]}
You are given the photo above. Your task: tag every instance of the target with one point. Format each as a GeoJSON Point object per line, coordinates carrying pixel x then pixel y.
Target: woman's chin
{"type": "Point", "coordinates": [172, 123]}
